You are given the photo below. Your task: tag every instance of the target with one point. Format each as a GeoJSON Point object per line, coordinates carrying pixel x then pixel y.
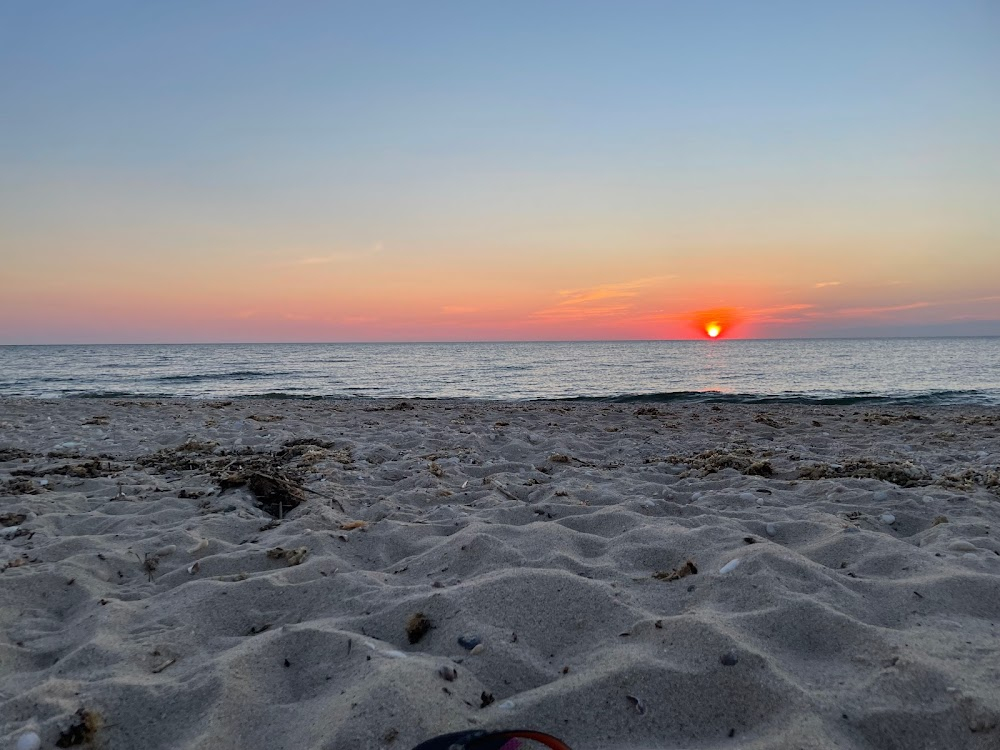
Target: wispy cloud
{"type": "Point", "coordinates": [318, 260]}
{"type": "Point", "coordinates": [822, 284]}
{"type": "Point", "coordinates": [603, 301]}
{"type": "Point", "coordinates": [622, 290]}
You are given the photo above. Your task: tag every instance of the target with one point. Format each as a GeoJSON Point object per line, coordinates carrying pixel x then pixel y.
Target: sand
{"type": "Point", "coordinates": [636, 575]}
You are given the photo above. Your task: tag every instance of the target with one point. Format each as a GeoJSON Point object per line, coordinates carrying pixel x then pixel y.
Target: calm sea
{"type": "Point", "coordinates": [928, 370]}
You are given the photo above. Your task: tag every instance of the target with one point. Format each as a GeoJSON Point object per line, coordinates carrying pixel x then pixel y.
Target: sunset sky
{"type": "Point", "coordinates": [397, 171]}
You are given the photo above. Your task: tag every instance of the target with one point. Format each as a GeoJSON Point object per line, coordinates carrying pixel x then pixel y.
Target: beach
{"type": "Point", "coordinates": [289, 573]}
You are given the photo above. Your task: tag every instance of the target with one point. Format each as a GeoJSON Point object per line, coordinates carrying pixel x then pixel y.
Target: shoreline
{"type": "Point", "coordinates": [637, 574]}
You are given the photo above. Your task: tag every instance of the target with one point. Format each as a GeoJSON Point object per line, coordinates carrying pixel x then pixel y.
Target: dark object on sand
{"type": "Point", "coordinates": [687, 569]}
{"type": "Point", "coordinates": [417, 627]}
{"type": "Point", "coordinates": [274, 493]}
{"type": "Point", "coordinates": [480, 739]}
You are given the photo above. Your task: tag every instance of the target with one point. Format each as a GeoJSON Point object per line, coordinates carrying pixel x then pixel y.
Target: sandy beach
{"type": "Point", "coordinates": [283, 574]}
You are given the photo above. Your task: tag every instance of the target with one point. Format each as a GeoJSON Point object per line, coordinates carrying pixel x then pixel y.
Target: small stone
{"type": "Point", "coordinates": [477, 649]}
{"type": "Point", "coordinates": [469, 642]}
{"type": "Point", "coordinates": [729, 659]}
{"type": "Point", "coordinates": [771, 529]}
{"type": "Point", "coordinates": [506, 706]}
{"type": "Point", "coordinates": [448, 673]}
{"type": "Point", "coordinates": [960, 545]}
{"type": "Point", "coordinates": [29, 741]}
{"type": "Point", "coordinates": [748, 496]}
{"type": "Point", "coordinates": [887, 518]}
{"type": "Point", "coordinates": [881, 496]}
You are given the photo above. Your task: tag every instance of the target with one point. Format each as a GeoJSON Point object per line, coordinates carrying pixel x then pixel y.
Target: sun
{"type": "Point", "coordinates": [713, 329]}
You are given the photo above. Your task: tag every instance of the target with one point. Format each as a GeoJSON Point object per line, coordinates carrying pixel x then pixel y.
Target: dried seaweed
{"type": "Point", "coordinates": [417, 627]}
{"type": "Point", "coordinates": [902, 473]}
{"type": "Point", "coordinates": [687, 569]}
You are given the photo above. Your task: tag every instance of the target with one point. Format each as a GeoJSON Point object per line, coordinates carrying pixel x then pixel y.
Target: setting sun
{"type": "Point", "coordinates": [713, 330]}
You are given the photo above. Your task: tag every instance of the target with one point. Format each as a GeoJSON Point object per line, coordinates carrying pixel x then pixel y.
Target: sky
{"type": "Point", "coordinates": [425, 171]}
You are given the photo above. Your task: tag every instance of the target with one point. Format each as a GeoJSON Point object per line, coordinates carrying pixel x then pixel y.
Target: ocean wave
{"type": "Point", "coordinates": [925, 398]}
{"type": "Point", "coordinates": [219, 376]}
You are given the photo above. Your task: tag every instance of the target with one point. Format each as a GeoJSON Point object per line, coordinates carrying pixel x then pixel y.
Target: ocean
{"type": "Point", "coordinates": [899, 371]}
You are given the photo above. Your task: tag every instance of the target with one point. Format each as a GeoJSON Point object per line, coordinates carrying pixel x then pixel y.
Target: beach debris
{"type": "Point", "coordinates": [763, 418]}
{"type": "Point", "coordinates": [291, 556]}
{"type": "Point", "coordinates": [559, 458]}
{"type": "Point", "coordinates": [351, 525]}
{"type": "Point", "coordinates": [938, 520]}
{"type": "Point", "coordinates": [274, 493]}
{"type": "Point", "coordinates": [29, 741]}
{"type": "Point", "coordinates": [771, 528]}
{"type": "Point", "coordinates": [486, 699]}
{"type": "Point", "coordinates": [902, 473]}
{"type": "Point", "coordinates": [149, 562]}
{"type": "Point", "coordinates": [417, 627]}
{"type": "Point", "coordinates": [712, 461]}
{"type": "Point", "coordinates": [749, 540]}
{"type": "Point", "coordinates": [12, 519]}
{"type": "Point", "coordinates": [970, 478]}
{"type": "Point", "coordinates": [469, 642]}
{"type": "Point", "coordinates": [14, 454]}
{"type": "Point", "coordinates": [164, 665]}
{"type": "Point", "coordinates": [448, 673]}
{"type": "Point", "coordinates": [730, 566]}
{"type": "Point", "coordinates": [687, 569]}
{"type": "Point", "coordinates": [887, 518]}
{"type": "Point", "coordinates": [637, 704]}
{"type": "Point", "coordinates": [20, 486]}
{"type": "Point", "coordinates": [729, 659]}
{"type": "Point", "coordinates": [647, 411]}
{"type": "Point", "coordinates": [435, 469]}
{"type": "Point", "coordinates": [194, 567]}
{"type": "Point", "coordinates": [82, 730]}
{"type": "Point", "coordinates": [506, 706]}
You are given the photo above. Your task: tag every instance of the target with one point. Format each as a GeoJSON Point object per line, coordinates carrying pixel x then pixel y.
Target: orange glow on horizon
{"type": "Point", "coordinates": [717, 323]}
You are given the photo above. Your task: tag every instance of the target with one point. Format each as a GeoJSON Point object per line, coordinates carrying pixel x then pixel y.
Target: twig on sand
{"type": "Point", "coordinates": [167, 663]}
{"type": "Point", "coordinates": [505, 492]}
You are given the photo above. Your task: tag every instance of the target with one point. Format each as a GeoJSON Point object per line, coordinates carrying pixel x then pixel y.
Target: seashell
{"type": "Point", "coordinates": [730, 566]}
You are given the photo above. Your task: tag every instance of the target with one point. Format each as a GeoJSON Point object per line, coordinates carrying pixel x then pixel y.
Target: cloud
{"type": "Point", "coordinates": [605, 300]}
{"type": "Point", "coordinates": [622, 290]}
{"type": "Point", "coordinates": [822, 284]}
{"type": "Point", "coordinates": [317, 260]}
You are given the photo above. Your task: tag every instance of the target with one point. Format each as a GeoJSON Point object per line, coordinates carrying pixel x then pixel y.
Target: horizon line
{"type": "Point", "coordinates": [503, 341]}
